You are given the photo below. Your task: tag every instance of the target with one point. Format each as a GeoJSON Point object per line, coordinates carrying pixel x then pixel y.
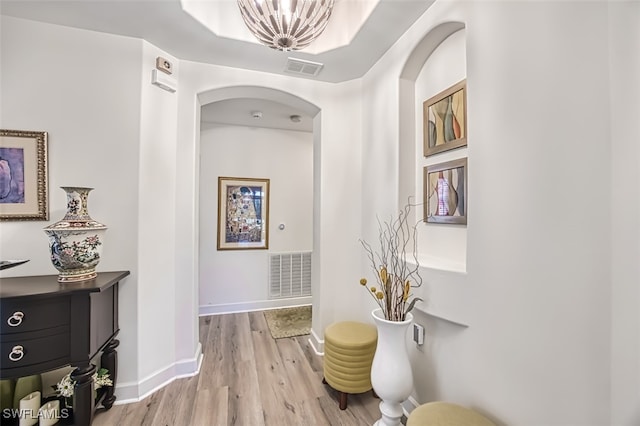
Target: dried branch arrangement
{"type": "Point", "coordinates": [394, 275]}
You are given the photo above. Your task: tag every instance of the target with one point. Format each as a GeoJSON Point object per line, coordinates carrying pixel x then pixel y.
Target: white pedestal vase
{"type": "Point", "coordinates": [75, 242]}
{"type": "Point", "coordinates": [391, 374]}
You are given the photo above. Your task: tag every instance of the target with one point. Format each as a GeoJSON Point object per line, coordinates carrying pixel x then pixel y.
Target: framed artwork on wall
{"type": "Point", "coordinates": [23, 175]}
{"type": "Point", "coordinates": [445, 192]}
{"type": "Point", "coordinates": [445, 120]}
{"type": "Point", "coordinates": [243, 213]}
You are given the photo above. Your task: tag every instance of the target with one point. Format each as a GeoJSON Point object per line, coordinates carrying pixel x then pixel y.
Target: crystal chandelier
{"type": "Point", "coordinates": [286, 24]}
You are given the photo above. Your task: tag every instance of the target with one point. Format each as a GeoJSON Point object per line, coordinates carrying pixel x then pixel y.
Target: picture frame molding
{"type": "Point", "coordinates": [457, 143]}
{"type": "Point", "coordinates": [36, 206]}
{"type": "Point", "coordinates": [434, 168]}
{"type": "Point", "coordinates": [223, 182]}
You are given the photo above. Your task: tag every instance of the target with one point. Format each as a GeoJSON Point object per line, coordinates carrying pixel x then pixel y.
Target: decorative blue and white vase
{"type": "Point", "coordinates": [75, 242]}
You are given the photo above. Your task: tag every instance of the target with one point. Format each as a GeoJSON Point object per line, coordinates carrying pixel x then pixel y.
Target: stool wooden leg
{"type": "Point", "coordinates": [343, 400]}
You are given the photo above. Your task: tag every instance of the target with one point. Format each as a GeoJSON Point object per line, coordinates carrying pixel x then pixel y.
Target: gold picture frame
{"type": "Point", "coordinates": [243, 213]}
{"type": "Point", "coordinates": [445, 120]}
{"type": "Point", "coordinates": [445, 192]}
{"type": "Point", "coordinates": [23, 175]}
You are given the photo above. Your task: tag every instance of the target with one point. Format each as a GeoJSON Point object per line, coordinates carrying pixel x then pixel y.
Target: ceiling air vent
{"type": "Point", "coordinates": [300, 67]}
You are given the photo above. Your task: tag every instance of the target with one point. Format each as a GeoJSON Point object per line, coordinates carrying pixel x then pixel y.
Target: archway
{"type": "Point", "coordinates": [265, 94]}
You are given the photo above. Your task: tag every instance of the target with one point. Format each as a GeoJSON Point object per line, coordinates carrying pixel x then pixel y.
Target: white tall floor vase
{"type": "Point", "coordinates": [391, 374]}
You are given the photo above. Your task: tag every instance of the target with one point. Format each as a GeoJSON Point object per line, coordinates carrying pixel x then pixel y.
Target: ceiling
{"type": "Point", "coordinates": [167, 25]}
{"type": "Point", "coordinates": [241, 112]}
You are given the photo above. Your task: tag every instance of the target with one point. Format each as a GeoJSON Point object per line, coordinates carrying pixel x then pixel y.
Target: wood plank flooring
{"type": "Point", "coordinates": [247, 378]}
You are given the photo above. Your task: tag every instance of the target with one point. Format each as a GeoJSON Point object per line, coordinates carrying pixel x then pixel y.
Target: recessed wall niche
{"type": "Point", "coordinates": [437, 63]}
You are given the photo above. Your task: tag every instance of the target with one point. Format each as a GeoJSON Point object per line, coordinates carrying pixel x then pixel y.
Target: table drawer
{"type": "Point", "coordinates": [25, 349]}
{"type": "Point", "coordinates": [20, 316]}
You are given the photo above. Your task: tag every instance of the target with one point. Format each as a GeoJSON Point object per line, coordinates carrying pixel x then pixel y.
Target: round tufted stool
{"type": "Point", "coordinates": [349, 347]}
{"type": "Point", "coordinates": [446, 414]}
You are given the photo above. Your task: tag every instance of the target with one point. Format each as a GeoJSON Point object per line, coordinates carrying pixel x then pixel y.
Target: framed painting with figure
{"type": "Point", "coordinates": [243, 213]}
{"type": "Point", "coordinates": [445, 120]}
{"type": "Point", "coordinates": [445, 192]}
{"type": "Point", "coordinates": [23, 175]}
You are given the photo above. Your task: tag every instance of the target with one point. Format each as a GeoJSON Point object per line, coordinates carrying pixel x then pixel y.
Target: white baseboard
{"type": "Point", "coordinates": [409, 405]}
{"type": "Point", "coordinates": [190, 367]}
{"type": "Point", "coordinates": [260, 305]}
{"type": "Point", "coordinates": [129, 392]}
{"type": "Point", "coordinates": [316, 343]}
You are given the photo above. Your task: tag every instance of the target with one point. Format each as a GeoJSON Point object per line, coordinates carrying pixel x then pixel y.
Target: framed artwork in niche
{"type": "Point", "coordinates": [445, 120]}
{"type": "Point", "coordinates": [23, 175]}
{"type": "Point", "coordinates": [445, 192]}
{"type": "Point", "coordinates": [243, 213]}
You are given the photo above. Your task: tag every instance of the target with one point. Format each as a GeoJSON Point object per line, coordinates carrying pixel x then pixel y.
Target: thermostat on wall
{"type": "Point", "coordinates": [164, 81]}
{"type": "Point", "coordinates": [164, 65]}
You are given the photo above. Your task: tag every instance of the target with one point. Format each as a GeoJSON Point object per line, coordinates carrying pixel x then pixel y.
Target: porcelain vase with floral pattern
{"type": "Point", "coordinates": [75, 242]}
{"type": "Point", "coordinates": [391, 374]}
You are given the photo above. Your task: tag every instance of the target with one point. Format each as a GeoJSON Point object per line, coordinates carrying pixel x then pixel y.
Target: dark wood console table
{"type": "Point", "coordinates": [46, 325]}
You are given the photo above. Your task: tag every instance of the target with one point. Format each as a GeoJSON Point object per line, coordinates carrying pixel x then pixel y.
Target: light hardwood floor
{"type": "Point", "coordinates": [247, 378]}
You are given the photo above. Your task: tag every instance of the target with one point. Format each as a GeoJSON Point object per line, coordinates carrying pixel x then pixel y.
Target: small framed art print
{"type": "Point", "coordinates": [445, 120]}
{"type": "Point", "coordinates": [445, 192]}
{"type": "Point", "coordinates": [23, 175]}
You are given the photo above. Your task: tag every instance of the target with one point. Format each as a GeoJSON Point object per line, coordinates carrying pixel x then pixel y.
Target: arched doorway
{"type": "Point", "coordinates": [247, 137]}
{"type": "Point", "coordinates": [265, 94]}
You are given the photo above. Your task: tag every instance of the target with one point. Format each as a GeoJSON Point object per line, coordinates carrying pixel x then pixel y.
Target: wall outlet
{"type": "Point", "coordinates": [163, 65]}
{"type": "Point", "coordinates": [418, 334]}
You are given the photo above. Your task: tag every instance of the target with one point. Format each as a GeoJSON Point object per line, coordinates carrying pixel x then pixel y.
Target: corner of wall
{"type": "Point", "coordinates": [316, 343]}
{"type": "Point", "coordinates": [131, 392]}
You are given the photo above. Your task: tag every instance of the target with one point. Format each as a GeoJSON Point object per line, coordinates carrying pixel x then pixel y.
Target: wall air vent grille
{"type": "Point", "coordinates": [289, 275]}
{"type": "Point", "coordinates": [301, 67]}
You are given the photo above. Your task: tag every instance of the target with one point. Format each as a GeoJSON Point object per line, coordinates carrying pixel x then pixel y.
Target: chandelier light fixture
{"type": "Point", "coordinates": [286, 24]}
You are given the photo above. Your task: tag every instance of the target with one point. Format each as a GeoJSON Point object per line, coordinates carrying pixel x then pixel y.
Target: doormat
{"type": "Point", "coordinates": [289, 322]}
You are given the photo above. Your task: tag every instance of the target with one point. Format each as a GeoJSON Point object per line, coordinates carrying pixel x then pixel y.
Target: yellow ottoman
{"type": "Point", "coordinates": [446, 414]}
{"type": "Point", "coordinates": [349, 347]}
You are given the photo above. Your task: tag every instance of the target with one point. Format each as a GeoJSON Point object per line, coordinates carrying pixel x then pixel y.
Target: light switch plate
{"type": "Point", "coordinates": [418, 334]}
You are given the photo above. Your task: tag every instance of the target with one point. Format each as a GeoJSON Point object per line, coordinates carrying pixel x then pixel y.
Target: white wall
{"type": "Point", "coordinates": [110, 129]}
{"type": "Point", "coordinates": [536, 294]}
{"type": "Point", "coordinates": [540, 271]}
{"type": "Point", "coordinates": [83, 88]}
{"type": "Point", "coordinates": [624, 45]}
{"type": "Point", "coordinates": [235, 280]}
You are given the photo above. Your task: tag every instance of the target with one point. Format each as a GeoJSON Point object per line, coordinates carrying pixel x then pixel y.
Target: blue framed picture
{"type": "Point", "coordinates": [23, 175]}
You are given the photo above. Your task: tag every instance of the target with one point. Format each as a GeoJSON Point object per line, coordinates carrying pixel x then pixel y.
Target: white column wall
{"type": "Point", "coordinates": [157, 286]}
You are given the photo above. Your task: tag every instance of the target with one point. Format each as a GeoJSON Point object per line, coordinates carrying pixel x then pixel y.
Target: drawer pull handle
{"type": "Point", "coordinates": [15, 319]}
{"type": "Point", "coordinates": [16, 353]}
